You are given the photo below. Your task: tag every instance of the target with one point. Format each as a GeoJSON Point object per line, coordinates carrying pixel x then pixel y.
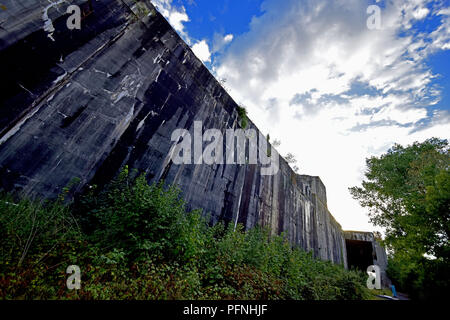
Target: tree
{"type": "Point", "coordinates": [407, 191]}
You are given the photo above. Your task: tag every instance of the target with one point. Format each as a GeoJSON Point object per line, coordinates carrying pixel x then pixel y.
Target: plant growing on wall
{"type": "Point", "coordinates": [290, 158]}
{"type": "Point", "coordinates": [242, 112]}
{"type": "Point", "coordinates": [141, 9]}
{"type": "Point", "coordinates": [276, 143]}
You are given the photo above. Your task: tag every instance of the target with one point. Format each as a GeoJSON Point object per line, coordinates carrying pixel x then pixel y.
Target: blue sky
{"type": "Point", "coordinates": [317, 77]}
{"type": "Point", "coordinates": [228, 16]}
{"type": "Point", "coordinates": [440, 64]}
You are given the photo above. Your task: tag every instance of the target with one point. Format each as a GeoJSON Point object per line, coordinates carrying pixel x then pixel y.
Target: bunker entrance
{"type": "Point", "coordinates": [359, 254]}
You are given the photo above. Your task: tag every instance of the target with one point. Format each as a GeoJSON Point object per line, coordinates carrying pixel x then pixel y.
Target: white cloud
{"type": "Point", "coordinates": [220, 41]}
{"type": "Point", "coordinates": [420, 13]}
{"type": "Point", "coordinates": [228, 38]}
{"type": "Point", "coordinates": [295, 68]}
{"type": "Point", "coordinates": [201, 50]}
{"type": "Point", "coordinates": [176, 16]}
{"type": "Point", "coordinates": [441, 36]}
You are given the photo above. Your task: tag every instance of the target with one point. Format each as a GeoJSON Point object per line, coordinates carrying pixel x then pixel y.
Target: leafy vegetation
{"type": "Point", "coordinates": [292, 160]}
{"type": "Point", "coordinates": [141, 9]}
{"type": "Point", "coordinates": [407, 191]}
{"type": "Point", "coordinates": [132, 240]}
{"type": "Point", "coordinates": [242, 113]}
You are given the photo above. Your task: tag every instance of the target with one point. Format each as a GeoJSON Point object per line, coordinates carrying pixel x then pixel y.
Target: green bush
{"type": "Point", "coordinates": [136, 241]}
{"type": "Point", "coordinates": [145, 221]}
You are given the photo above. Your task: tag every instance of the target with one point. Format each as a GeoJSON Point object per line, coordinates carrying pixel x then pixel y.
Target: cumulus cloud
{"type": "Point", "coordinates": [313, 75]}
{"type": "Point", "coordinates": [201, 50]}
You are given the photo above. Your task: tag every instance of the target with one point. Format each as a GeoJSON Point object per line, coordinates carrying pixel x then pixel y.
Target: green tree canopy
{"type": "Point", "coordinates": [407, 191]}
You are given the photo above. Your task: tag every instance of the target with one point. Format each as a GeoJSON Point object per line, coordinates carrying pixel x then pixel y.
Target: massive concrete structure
{"type": "Point", "coordinates": [84, 103]}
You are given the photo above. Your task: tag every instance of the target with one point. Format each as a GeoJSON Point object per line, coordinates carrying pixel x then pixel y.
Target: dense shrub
{"type": "Point", "coordinates": [141, 220]}
{"type": "Point", "coordinates": [420, 277]}
{"type": "Point", "coordinates": [137, 241]}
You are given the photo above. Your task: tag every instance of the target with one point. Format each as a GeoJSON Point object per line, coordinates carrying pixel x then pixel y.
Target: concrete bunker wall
{"type": "Point", "coordinates": [90, 101]}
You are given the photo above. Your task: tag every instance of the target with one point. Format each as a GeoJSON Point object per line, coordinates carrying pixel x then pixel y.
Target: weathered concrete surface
{"type": "Point", "coordinates": [84, 103]}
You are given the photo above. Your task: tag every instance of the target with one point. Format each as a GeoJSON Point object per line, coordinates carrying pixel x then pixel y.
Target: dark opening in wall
{"type": "Point", "coordinates": [359, 254]}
